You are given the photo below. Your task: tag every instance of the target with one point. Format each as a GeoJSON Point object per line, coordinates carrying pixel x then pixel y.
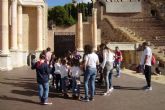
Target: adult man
{"type": "Point", "coordinates": [146, 64]}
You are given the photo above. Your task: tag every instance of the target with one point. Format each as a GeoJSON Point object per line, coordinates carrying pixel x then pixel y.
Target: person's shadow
{"type": "Point", "coordinates": [17, 99]}
{"type": "Point", "coordinates": [128, 88]}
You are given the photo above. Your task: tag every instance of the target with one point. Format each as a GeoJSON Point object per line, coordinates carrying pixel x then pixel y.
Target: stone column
{"type": "Point", "coordinates": [14, 25]}
{"type": "Point", "coordinates": [80, 32]}
{"type": "Point", "coordinates": [4, 27]}
{"type": "Point", "coordinates": [20, 31]}
{"type": "Point", "coordinates": [5, 59]}
{"type": "Point", "coordinates": [94, 28]}
{"type": "Point", "coordinates": [39, 28]}
{"type": "Point", "coordinates": [43, 37]}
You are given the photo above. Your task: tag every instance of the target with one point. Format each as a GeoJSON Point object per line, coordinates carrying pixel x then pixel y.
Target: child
{"type": "Point", "coordinates": [75, 73]}
{"type": "Point", "coordinates": [33, 61]}
{"type": "Point", "coordinates": [57, 74]}
{"type": "Point", "coordinates": [64, 77]}
{"type": "Point", "coordinates": [52, 68]}
{"type": "Point", "coordinates": [157, 69]}
{"type": "Point", "coordinates": [42, 71]}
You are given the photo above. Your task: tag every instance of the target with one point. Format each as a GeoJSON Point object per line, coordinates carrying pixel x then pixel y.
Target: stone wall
{"type": "Point", "coordinates": [29, 30]}
{"type": "Point", "coordinates": [159, 6]}
{"type": "Point", "coordinates": [50, 39]}
{"type": "Point", "coordinates": [123, 7]}
{"type": "Point", "coordinates": [87, 33]}
{"type": "Point", "coordinates": [0, 25]}
{"type": "Point", "coordinates": [58, 30]}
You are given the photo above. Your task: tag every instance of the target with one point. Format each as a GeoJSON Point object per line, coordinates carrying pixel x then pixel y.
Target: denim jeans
{"type": "Point", "coordinates": [43, 92]}
{"type": "Point", "coordinates": [108, 74]}
{"type": "Point", "coordinates": [75, 86]}
{"type": "Point", "coordinates": [65, 83]}
{"type": "Point", "coordinates": [89, 77]}
{"type": "Point", "coordinates": [118, 68]}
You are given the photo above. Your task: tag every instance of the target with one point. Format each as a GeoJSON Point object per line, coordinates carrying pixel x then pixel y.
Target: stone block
{"type": "Point", "coordinates": [6, 63]}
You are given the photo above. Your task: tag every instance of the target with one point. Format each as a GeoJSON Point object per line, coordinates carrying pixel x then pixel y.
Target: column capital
{"type": "Point", "coordinates": [19, 9]}
{"type": "Point", "coordinates": [39, 6]}
{"type": "Point", "coordinates": [19, 5]}
{"type": "Point", "coordinates": [13, 0]}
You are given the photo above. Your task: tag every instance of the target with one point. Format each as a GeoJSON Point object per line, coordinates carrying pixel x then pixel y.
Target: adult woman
{"type": "Point", "coordinates": [90, 62]}
{"type": "Point", "coordinates": [107, 66]}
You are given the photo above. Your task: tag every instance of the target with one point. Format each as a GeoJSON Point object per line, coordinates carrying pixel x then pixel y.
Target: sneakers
{"type": "Point", "coordinates": [148, 89]}
{"type": "Point", "coordinates": [66, 95]}
{"type": "Point", "coordinates": [111, 89]}
{"type": "Point", "coordinates": [117, 76]}
{"type": "Point", "coordinates": [105, 94]}
{"type": "Point", "coordinates": [47, 103]}
{"type": "Point", "coordinates": [75, 97]}
{"type": "Point", "coordinates": [91, 99]}
{"type": "Point", "coordinates": [85, 99]}
{"type": "Point", "coordinates": [108, 92]}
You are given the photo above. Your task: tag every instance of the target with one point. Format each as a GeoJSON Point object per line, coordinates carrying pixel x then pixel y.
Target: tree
{"type": "Point", "coordinates": [67, 15]}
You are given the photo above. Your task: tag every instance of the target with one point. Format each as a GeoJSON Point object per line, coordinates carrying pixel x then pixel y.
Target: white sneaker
{"type": "Point", "coordinates": [148, 89]}
{"type": "Point", "coordinates": [48, 103]}
{"type": "Point", "coordinates": [111, 89]}
{"type": "Point", "coordinates": [105, 94]}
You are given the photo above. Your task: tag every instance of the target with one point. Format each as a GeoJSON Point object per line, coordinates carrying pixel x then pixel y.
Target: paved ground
{"type": "Point", "coordinates": [18, 91]}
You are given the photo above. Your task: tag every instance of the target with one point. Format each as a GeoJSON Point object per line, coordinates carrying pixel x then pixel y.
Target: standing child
{"type": "Point", "coordinates": [57, 73]}
{"type": "Point", "coordinates": [75, 73]}
{"type": "Point", "coordinates": [52, 68]}
{"type": "Point", "coordinates": [42, 73]}
{"type": "Point", "coordinates": [64, 77]}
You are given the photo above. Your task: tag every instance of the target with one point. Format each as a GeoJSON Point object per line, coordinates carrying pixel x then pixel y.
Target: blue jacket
{"type": "Point", "coordinates": [42, 71]}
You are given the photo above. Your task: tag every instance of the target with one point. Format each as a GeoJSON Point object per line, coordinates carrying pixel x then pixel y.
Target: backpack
{"type": "Point", "coordinates": [153, 60]}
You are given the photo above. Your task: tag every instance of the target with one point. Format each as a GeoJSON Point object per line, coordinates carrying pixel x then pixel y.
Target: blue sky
{"type": "Point", "coordinates": [62, 2]}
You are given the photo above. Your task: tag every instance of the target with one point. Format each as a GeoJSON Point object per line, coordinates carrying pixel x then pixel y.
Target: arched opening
{"type": "Point", "coordinates": [63, 43]}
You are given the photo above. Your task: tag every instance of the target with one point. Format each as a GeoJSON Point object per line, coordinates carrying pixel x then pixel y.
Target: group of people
{"type": "Point", "coordinates": [66, 71]}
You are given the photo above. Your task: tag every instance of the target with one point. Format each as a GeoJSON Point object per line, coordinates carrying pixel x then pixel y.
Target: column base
{"type": "Point", "coordinates": [19, 58]}
{"type": "Point", "coordinates": [6, 63]}
{"type": "Point", "coordinates": [37, 53]}
{"type": "Point", "coordinates": [80, 49]}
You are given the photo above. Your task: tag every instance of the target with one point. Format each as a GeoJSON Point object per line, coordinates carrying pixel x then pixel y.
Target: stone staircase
{"type": "Point", "coordinates": [136, 27]}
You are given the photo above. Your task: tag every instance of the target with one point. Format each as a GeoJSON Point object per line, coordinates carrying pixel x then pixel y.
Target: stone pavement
{"type": "Point", "coordinates": [18, 91]}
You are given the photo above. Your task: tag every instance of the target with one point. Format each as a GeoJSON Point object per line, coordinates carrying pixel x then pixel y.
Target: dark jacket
{"type": "Point", "coordinates": [42, 71]}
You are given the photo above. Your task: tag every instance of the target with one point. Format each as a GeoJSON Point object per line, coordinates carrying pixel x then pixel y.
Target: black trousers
{"type": "Point", "coordinates": [58, 80]}
{"type": "Point", "coordinates": [147, 73]}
